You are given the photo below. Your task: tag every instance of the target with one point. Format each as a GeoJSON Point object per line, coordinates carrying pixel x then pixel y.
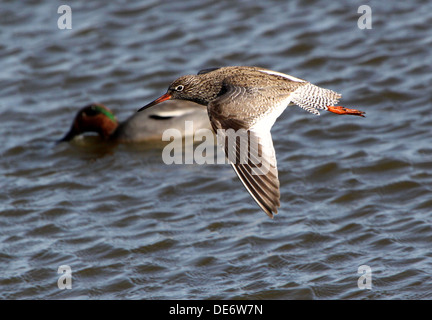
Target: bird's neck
{"type": "Point", "coordinates": [108, 129]}
{"type": "Point", "coordinates": [209, 90]}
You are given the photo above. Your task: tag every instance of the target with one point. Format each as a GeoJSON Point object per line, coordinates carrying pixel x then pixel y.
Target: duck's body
{"type": "Point", "coordinates": [249, 100]}
{"type": "Point", "coordinates": [139, 127]}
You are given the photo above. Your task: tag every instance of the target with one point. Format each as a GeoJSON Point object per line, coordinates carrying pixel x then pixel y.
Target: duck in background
{"type": "Point", "coordinates": [140, 127]}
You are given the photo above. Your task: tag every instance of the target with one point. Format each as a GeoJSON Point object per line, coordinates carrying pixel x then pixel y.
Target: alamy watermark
{"type": "Point", "coordinates": [365, 280]}
{"type": "Point", "coordinates": [365, 20]}
{"type": "Point", "coordinates": [65, 20]}
{"type": "Point", "coordinates": [240, 147]}
{"type": "Point", "coordinates": [65, 280]}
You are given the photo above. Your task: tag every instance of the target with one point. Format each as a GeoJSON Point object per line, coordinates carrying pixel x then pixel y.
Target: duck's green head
{"type": "Point", "coordinates": [93, 118]}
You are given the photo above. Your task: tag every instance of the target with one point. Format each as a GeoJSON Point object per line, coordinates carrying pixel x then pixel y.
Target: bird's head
{"type": "Point", "coordinates": [93, 118]}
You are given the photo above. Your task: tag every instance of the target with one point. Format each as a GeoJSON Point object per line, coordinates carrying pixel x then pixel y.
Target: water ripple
{"type": "Point", "coordinates": [353, 191]}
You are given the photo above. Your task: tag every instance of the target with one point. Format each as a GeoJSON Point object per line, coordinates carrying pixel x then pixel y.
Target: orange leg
{"type": "Point", "coordinates": [343, 110]}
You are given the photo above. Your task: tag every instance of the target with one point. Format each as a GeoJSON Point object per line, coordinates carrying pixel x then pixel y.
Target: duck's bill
{"type": "Point", "coordinates": [163, 98]}
{"type": "Point", "coordinates": [68, 137]}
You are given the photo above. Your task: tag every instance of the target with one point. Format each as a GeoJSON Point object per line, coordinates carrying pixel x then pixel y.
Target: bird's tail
{"type": "Point", "coordinates": [312, 98]}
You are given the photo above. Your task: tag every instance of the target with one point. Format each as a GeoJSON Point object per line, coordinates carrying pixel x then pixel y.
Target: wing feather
{"type": "Point", "coordinates": [249, 149]}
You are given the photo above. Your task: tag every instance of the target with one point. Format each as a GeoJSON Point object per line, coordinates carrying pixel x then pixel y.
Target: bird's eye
{"type": "Point", "coordinates": [91, 111]}
{"type": "Point", "coordinates": [179, 87]}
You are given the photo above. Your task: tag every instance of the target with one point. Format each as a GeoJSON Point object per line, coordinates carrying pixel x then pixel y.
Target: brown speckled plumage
{"type": "Point", "coordinates": [249, 100]}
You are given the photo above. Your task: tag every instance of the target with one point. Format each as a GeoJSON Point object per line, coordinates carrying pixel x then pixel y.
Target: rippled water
{"type": "Point", "coordinates": [354, 191]}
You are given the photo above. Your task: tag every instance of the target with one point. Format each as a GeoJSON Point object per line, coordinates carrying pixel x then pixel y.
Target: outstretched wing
{"type": "Point", "coordinates": [248, 145]}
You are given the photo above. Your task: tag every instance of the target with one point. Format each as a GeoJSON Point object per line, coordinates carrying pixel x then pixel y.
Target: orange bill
{"type": "Point", "coordinates": [162, 98]}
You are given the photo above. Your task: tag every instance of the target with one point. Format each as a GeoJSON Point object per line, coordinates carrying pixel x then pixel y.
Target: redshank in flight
{"type": "Point", "coordinates": [250, 99]}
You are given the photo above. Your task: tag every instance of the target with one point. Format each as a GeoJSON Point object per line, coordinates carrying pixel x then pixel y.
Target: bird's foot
{"type": "Point", "coordinates": [343, 110]}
